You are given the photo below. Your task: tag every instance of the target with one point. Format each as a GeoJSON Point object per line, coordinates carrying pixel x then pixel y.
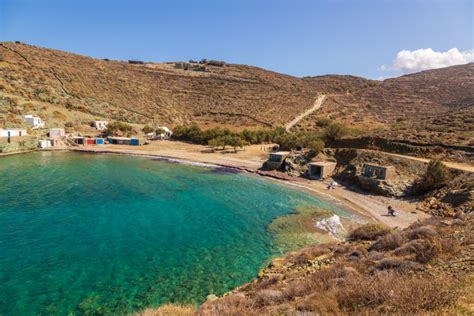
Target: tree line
{"type": "Point", "coordinates": [222, 137]}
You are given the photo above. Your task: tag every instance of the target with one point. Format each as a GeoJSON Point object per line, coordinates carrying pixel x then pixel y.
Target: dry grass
{"type": "Point", "coordinates": [170, 310]}
{"type": "Point", "coordinates": [410, 107]}
{"type": "Point", "coordinates": [388, 276]}
{"type": "Point", "coordinates": [393, 292]}
{"type": "Point", "coordinates": [422, 249]}
{"type": "Point", "coordinates": [388, 242]}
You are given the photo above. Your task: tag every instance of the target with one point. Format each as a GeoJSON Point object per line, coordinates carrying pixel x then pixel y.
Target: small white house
{"type": "Point", "coordinates": [44, 143]}
{"type": "Point", "coordinates": [166, 134]}
{"type": "Point", "coordinates": [101, 125]}
{"type": "Point", "coordinates": [34, 121]}
{"type": "Point", "coordinates": [13, 132]}
{"type": "Point", "coordinates": [56, 133]}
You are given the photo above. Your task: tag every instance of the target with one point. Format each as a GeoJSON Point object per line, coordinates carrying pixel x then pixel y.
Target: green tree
{"type": "Point", "coordinates": [115, 127]}
{"type": "Point", "coordinates": [213, 143]}
{"type": "Point", "coordinates": [236, 142]}
{"type": "Point", "coordinates": [335, 131]}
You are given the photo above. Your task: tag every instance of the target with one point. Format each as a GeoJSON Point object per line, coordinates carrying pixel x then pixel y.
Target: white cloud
{"type": "Point", "coordinates": [424, 59]}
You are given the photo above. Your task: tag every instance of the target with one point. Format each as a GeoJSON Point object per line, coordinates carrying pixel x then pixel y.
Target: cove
{"type": "Point", "coordinates": [104, 234]}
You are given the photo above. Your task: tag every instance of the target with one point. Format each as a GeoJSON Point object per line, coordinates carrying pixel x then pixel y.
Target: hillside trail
{"type": "Point", "coordinates": [450, 164]}
{"type": "Point", "coordinates": [317, 104]}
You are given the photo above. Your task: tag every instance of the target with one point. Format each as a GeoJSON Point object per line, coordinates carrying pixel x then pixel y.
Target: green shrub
{"type": "Point", "coordinates": [335, 132]}
{"type": "Point", "coordinates": [436, 176]}
{"type": "Point", "coordinates": [323, 122]}
{"type": "Point", "coordinates": [115, 127]}
{"type": "Point", "coordinates": [147, 129]}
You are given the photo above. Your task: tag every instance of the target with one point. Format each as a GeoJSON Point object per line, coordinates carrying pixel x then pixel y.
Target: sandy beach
{"type": "Point", "coordinates": [252, 158]}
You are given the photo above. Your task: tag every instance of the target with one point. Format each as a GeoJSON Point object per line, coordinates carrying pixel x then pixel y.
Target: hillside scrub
{"type": "Point", "coordinates": [369, 232]}
{"type": "Point", "coordinates": [335, 131]}
{"type": "Point", "coordinates": [116, 127]}
{"type": "Point", "coordinates": [436, 176]}
{"type": "Point", "coordinates": [402, 275]}
{"type": "Point", "coordinates": [147, 129]}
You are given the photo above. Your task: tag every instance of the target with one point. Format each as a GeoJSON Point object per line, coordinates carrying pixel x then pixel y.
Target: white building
{"type": "Point", "coordinates": [101, 125]}
{"type": "Point", "coordinates": [34, 121]}
{"type": "Point", "coordinates": [44, 143]}
{"type": "Point", "coordinates": [166, 133]}
{"type": "Point", "coordinates": [56, 133]}
{"type": "Point", "coordinates": [13, 132]}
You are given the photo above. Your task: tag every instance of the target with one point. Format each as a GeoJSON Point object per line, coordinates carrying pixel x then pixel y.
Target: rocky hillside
{"type": "Point", "coordinates": [430, 107]}
{"type": "Point", "coordinates": [227, 95]}
{"type": "Point", "coordinates": [435, 106]}
{"type": "Point", "coordinates": [423, 269]}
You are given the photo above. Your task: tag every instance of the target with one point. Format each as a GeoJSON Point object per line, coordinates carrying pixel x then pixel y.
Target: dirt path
{"type": "Point", "coordinates": [317, 104]}
{"type": "Point", "coordinates": [452, 165]}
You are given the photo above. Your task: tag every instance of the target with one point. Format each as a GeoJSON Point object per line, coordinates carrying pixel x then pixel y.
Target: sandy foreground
{"type": "Point", "coordinates": [252, 158]}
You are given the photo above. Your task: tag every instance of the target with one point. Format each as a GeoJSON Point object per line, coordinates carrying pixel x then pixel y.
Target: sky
{"type": "Point", "coordinates": [371, 38]}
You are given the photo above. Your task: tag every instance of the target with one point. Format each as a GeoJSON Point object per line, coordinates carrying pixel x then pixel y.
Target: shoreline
{"type": "Point", "coordinates": [312, 187]}
{"type": "Point", "coordinates": [287, 181]}
{"type": "Point", "coordinates": [17, 152]}
{"type": "Point", "coordinates": [357, 203]}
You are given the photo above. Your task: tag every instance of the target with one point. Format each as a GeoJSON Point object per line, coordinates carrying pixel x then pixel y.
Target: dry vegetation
{"type": "Point", "coordinates": [426, 268]}
{"type": "Point", "coordinates": [428, 107]}
{"type": "Point", "coordinates": [433, 106]}
{"type": "Point", "coordinates": [234, 95]}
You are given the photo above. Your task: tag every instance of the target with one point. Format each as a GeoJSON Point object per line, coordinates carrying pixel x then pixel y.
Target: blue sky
{"type": "Point", "coordinates": [296, 37]}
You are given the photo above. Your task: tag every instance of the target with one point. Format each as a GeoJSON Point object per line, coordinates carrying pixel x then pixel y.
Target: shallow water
{"type": "Point", "coordinates": [86, 233]}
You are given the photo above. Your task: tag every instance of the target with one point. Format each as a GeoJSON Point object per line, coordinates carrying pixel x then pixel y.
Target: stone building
{"type": "Point", "coordinates": [378, 172]}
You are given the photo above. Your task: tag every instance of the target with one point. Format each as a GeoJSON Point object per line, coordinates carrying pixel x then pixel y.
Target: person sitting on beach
{"type": "Point", "coordinates": [391, 211]}
{"type": "Point", "coordinates": [332, 185]}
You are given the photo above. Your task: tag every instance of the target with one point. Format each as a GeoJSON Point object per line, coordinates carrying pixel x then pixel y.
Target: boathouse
{"type": "Point", "coordinates": [13, 132]}
{"type": "Point", "coordinates": [56, 142]}
{"type": "Point", "coordinates": [55, 133]}
{"type": "Point", "coordinates": [119, 140]}
{"type": "Point", "coordinates": [44, 143]}
{"type": "Point", "coordinates": [275, 160]}
{"type": "Point", "coordinates": [78, 140]}
{"type": "Point", "coordinates": [378, 172]}
{"type": "Point", "coordinates": [90, 141]}
{"type": "Point", "coordinates": [321, 169]}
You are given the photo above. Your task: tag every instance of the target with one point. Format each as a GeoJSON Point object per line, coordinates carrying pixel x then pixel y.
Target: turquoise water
{"type": "Point", "coordinates": [100, 234]}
